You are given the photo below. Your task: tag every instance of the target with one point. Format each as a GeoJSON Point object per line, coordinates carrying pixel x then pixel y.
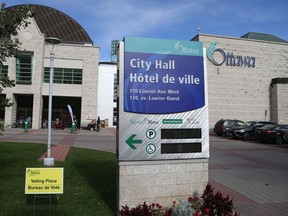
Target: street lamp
{"type": "Point", "coordinates": [52, 41]}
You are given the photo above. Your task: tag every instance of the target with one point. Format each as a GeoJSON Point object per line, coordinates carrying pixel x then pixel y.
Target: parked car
{"type": "Point", "coordinates": [285, 136]}
{"type": "Point", "coordinates": [271, 133]}
{"type": "Point", "coordinates": [224, 125]}
{"type": "Point", "coordinates": [246, 131]}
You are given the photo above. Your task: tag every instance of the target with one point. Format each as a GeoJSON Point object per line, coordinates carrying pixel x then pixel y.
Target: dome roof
{"type": "Point", "coordinates": [54, 23]}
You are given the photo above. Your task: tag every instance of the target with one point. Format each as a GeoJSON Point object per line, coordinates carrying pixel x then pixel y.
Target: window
{"type": "Point", "coordinates": [24, 68]}
{"type": "Point", "coordinates": [4, 70]}
{"type": "Point", "coordinates": [64, 75]}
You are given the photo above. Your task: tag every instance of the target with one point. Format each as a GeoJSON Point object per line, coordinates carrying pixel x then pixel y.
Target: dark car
{"type": "Point", "coordinates": [271, 133]}
{"type": "Point", "coordinates": [224, 125]}
{"type": "Point", "coordinates": [246, 131]}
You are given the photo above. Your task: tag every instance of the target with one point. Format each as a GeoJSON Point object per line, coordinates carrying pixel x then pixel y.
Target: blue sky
{"type": "Point", "coordinates": [107, 20]}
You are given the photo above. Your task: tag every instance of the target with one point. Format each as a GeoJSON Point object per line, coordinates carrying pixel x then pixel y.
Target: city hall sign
{"type": "Point", "coordinates": [219, 57]}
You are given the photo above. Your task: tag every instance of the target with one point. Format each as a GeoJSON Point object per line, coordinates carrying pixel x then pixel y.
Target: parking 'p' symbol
{"type": "Point", "coordinates": [150, 134]}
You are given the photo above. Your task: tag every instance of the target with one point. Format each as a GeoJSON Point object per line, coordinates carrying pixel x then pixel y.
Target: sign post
{"type": "Point", "coordinates": [164, 100]}
{"type": "Point", "coordinates": [44, 181]}
{"type": "Point", "coordinates": [163, 130]}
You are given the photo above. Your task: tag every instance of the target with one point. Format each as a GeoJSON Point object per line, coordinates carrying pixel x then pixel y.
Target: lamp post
{"type": "Point", "coordinates": [52, 41]}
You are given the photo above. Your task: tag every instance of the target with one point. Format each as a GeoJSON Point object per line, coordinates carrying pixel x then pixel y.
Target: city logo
{"type": "Point", "coordinates": [183, 49]}
{"type": "Point", "coordinates": [33, 172]}
{"type": "Point", "coordinates": [228, 58]}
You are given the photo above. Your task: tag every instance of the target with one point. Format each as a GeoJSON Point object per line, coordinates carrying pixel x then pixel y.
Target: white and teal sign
{"type": "Point", "coordinates": [164, 73]}
{"type": "Point", "coordinates": [163, 110]}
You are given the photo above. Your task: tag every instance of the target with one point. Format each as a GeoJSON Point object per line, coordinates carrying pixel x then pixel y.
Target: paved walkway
{"type": "Point", "coordinates": [59, 153]}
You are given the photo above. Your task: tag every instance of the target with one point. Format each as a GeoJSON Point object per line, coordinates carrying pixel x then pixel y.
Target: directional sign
{"type": "Point", "coordinates": [162, 100]}
{"type": "Point", "coordinates": [130, 141]}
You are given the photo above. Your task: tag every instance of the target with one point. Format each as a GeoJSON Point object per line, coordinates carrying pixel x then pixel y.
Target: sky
{"type": "Point", "coordinates": [107, 20]}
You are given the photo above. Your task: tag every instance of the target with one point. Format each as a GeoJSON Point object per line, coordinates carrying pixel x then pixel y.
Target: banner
{"type": "Point", "coordinates": [71, 113]}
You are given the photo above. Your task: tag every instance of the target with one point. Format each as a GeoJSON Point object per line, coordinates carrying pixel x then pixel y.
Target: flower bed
{"type": "Point", "coordinates": [209, 204]}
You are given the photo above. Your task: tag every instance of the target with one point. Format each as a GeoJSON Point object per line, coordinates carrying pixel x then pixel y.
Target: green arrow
{"type": "Point", "coordinates": [130, 141]}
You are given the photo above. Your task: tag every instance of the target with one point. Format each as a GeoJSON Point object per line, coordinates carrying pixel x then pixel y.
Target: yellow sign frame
{"type": "Point", "coordinates": [44, 180]}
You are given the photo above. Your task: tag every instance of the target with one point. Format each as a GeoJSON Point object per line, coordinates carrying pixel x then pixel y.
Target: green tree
{"type": "Point", "coordinates": [11, 20]}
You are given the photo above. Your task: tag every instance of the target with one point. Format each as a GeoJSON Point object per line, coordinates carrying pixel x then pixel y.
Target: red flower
{"type": "Point", "coordinates": [207, 211]}
{"type": "Point", "coordinates": [174, 203]}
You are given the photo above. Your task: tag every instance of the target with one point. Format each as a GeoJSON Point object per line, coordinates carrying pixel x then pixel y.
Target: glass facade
{"type": "Point", "coordinates": [4, 70]}
{"type": "Point", "coordinates": [24, 67]}
{"type": "Point", "coordinates": [64, 75]}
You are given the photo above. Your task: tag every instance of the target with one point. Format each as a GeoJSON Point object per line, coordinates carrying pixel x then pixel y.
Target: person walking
{"type": "Point", "coordinates": [98, 124]}
{"type": "Point", "coordinates": [75, 122]}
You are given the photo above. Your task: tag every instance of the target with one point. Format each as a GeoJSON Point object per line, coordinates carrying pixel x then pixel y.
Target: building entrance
{"type": "Point", "coordinates": [60, 110]}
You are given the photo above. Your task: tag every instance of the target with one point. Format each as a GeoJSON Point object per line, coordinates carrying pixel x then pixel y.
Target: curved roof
{"type": "Point", "coordinates": [54, 23]}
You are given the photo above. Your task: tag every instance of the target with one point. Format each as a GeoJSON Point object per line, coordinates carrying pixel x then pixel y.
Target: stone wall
{"type": "Point", "coordinates": [161, 181]}
{"type": "Point", "coordinates": [279, 102]}
{"type": "Point", "coordinates": [80, 56]}
{"type": "Point", "coordinates": [242, 92]}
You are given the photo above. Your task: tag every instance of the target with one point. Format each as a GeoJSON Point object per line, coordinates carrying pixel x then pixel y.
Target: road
{"type": "Point", "coordinates": [253, 173]}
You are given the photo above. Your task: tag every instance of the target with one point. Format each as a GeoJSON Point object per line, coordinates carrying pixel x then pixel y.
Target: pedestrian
{"type": "Point", "coordinates": [75, 122]}
{"type": "Point", "coordinates": [29, 121]}
{"type": "Point", "coordinates": [98, 124]}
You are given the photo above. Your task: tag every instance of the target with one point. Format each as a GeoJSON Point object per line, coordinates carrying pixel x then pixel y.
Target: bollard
{"type": "Point", "coordinates": [26, 127]}
{"type": "Point", "coordinates": [73, 128]}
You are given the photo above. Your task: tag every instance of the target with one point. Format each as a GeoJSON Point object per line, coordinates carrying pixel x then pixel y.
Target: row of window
{"type": "Point", "coordinates": [4, 70]}
{"type": "Point", "coordinates": [64, 76]}
{"type": "Point", "coordinates": [24, 68]}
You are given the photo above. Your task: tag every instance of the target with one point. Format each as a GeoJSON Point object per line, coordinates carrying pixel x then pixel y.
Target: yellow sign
{"type": "Point", "coordinates": [44, 181]}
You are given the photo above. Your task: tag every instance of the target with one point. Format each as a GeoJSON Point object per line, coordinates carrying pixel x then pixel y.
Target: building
{"type": "Point", "coordinates": [247, 77]}
{"type": "Point", "coordinates": [76, 67]}
{"type": "Point", "coordinates": [107, 93]}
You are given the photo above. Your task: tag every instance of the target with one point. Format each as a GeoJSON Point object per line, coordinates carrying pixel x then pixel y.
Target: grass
{"type": "Point", "coordinates": [89, 182]}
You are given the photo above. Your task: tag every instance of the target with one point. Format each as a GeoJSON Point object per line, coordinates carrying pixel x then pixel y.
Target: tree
{"type": "Point", "coordinates": [11, 20]}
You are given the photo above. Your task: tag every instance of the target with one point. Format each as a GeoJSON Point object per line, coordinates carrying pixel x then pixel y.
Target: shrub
{"type": "Point", "coordinates": [209, 204]}
{"type": "Point", "coordinates": [217, 204]}
{"type": "Point", "coordinates": [153, 209]}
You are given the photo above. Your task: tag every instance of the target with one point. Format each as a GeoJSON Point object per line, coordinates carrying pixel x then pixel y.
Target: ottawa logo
{"type": "Point", "coordinates": [228, 58]}
{"type": "Point", "coordinates": [210, 52]}
{"type": "Point", "coordinates": [33, 172]}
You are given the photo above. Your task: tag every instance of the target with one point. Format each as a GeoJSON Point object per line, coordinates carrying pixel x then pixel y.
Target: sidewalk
{"type": "Point", "coordinates": [62, 140]}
